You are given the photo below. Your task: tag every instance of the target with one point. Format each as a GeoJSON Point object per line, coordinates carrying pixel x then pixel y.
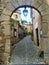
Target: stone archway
{"type": "Point", "coordinates": [7, 8]}
{"type": "Point", "coordinates": [37, 15]}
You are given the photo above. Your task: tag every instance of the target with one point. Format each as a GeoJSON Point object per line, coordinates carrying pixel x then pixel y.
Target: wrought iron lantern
{"type": "Point", "coordinates": [25, 12]}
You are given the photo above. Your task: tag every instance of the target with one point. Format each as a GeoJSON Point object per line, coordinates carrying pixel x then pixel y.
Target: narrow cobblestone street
{"type": "Point", "coordinates": [25, 52]}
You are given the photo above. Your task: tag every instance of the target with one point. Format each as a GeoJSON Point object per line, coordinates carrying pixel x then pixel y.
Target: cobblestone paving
{"type": "Point", "coordinates": [25, 52]}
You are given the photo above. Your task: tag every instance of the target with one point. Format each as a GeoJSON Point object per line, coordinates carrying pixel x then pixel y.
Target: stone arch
{"type": "Point", "coordinates": [8, 7]}
{"type": "Point", "coordinates": [39, 15]}
{"type": "Point", "coordinates": [26, 6]}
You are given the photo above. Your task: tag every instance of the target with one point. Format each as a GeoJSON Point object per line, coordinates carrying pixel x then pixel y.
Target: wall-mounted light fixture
{"type": "Point", "coordinates": [25, 11]}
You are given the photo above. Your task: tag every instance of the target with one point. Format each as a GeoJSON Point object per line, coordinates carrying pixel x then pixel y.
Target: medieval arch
{"type": "Point", "coordinates": [8, 6]}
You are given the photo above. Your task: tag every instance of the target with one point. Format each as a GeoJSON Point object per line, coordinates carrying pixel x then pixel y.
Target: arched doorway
{"type": "Point", "coordinates": [20, 23]}
{"type": "Point", "coordinates": [36, 20]}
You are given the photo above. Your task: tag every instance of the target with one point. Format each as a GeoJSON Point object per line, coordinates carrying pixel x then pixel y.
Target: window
{"type": "Point", "coordinates": [16, 16]}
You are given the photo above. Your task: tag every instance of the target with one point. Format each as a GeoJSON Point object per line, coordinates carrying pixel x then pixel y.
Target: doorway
{"type": "Point", "coordinates": [37, 36]}
{"type": "Point", "coordinates": [26, 20]}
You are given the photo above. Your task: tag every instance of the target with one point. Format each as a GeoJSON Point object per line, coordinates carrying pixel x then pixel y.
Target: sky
{"type": "Point", "coordinates": [28, 17]}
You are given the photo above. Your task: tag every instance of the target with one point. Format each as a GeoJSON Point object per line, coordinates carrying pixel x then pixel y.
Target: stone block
{"type": "Point", "coordinates": [6, 57]}
{"type": "Point", "coordinates": [45, 17]}
{"type": "Point", "coordinates": [45, 43]}
{"type": "Point", "coordinates": [9, 6]}
{"type": "Point", "coordinates": [37, 3]}
{"type": "Point", "coordinates": [6, 12]}
{"type": "Point", "coordinates": [7, 46]}
{"type": "Point", "coordinates": [4, 17]}
{"type": "Point", "coordinates": [6, 29]}
{"type": "Point", "coordinates": [42, 7]}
